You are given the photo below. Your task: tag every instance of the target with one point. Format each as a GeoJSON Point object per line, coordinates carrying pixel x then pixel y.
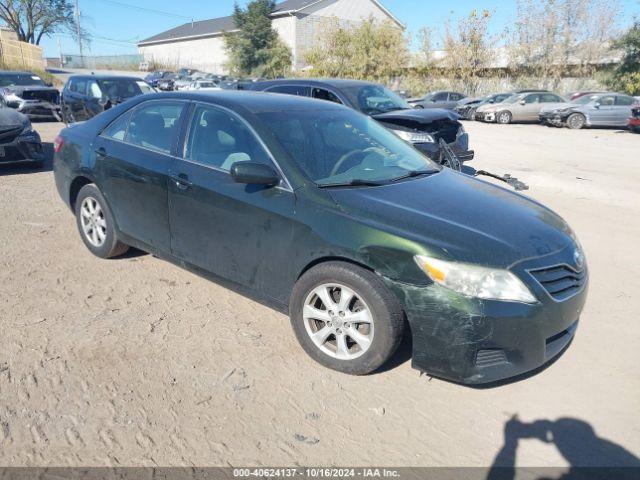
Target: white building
{"type": "Point", "coordinates": [201, 44]}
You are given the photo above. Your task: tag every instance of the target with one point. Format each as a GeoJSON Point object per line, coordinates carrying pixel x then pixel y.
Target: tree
{"type": "Point", "coordinates": [555, 38]}
{"type": "Point", "coordinates": [256, 49]}
{"type": "Point", "coordinates": [34, 19]}
{"type": "Point", "coordinates": [370, 50]}
{"type": "Point", "coordinates": [468, 49]}
{"type": "Point", "coordinates": [626, 76]}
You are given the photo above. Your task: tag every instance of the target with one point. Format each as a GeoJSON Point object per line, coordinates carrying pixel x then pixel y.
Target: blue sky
{"type": "Point", "coordinates": [117, 24]}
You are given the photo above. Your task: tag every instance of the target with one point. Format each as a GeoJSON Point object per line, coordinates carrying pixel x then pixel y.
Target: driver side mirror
{"type": "Point", "coordinates": [596, 105]}
{"type": "Point", "coordinates": [253, 173]}
{"type": "Point", "coordinates": [522, 102]}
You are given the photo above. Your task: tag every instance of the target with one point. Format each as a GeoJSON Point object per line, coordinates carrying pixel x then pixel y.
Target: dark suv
{"type": "Point", "coordinates": [424, 128]}
{"type": "Point", "coordinates": [85, 96]}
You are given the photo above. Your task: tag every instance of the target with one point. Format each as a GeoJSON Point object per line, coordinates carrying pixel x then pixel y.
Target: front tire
{"type": "Point", "coordinates": [576, 121]}
{"type": "Point", "coordinates": [96, 224]}
{"type": "Point", "coordinates": [346, 318]}
{"type": "Point", "coordinates": [504, 117]}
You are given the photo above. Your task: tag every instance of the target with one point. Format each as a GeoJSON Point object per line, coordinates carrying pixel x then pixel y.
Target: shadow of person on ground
{"type": "Point", "coordinates": [576, 441]}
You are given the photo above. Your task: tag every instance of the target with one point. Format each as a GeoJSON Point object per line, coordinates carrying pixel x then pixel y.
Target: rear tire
{"type": "Point", "coordinates": [355, 336]}
{"type": "Point", "coordinates": [96, 224]}
{"type": "Point", "coordinates": [504, 117]}
{"type": "Point", "coordinates": [576, 121]}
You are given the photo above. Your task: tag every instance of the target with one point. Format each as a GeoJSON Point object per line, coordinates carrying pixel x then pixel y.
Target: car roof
{"type": "Point", "coordinates": [252, 101]}
{"type": "Point", "coordinates": [106, 77]}
{"type": "Point", "coordinates": [332, 82]}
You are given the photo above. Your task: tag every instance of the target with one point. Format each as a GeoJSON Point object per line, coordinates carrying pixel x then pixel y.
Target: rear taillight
{"type": "Point", "coordinates": [58, 143]}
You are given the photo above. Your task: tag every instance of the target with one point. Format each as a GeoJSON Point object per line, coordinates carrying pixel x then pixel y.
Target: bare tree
{"type": "Point", "coordinates": [468, 49]}
{"type": "Point", "coordinates": [556, 38]}
{"type": "Point", "coordinates": [34, 19]}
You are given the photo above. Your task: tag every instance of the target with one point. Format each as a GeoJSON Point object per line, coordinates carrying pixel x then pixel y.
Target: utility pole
{"type": "Point", "coordinates": [78, 32]}
{"type": "Point", "coordinates": [60, 53]}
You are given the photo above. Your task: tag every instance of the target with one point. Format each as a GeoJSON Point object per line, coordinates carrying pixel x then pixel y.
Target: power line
{"type": "Point", "coordinates": [145, 9]}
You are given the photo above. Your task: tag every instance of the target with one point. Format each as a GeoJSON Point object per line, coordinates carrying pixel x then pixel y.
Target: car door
{"type": "Point", "coordinates": [74, 98]}
{"type": "Point", "coordinates": [239, 232]}
{"type": "Point", "coordinates": [528, 111]}
{"type": "Point", "coordinates": [133, 158]}
{"type": "Point", "coordinates": [622, 110]}
{"type": "Point", "coordinates": [605, 110]}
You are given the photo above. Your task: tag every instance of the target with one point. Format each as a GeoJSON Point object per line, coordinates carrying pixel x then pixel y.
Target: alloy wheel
{"type": "Point", "coordinates": [338, 321]}
{"type": "Point", "coordinates": [94, 224]}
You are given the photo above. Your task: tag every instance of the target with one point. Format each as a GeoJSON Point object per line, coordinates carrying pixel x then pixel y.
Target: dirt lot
{"type": "Point", "coordinates": [137, 362]}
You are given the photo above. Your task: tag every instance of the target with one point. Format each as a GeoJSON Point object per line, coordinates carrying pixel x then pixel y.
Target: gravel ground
{"type": "Point", "coordinates": [137, 362]}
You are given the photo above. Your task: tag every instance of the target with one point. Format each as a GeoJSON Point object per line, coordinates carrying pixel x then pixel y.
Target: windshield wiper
{"type": "Point", "coordinates": [414, 173]}
{"type": "Point", "coordinates": [356, 182]}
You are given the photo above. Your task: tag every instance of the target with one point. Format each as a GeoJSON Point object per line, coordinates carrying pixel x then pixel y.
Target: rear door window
{"type": "Point", "coordinates": [323, 94]}
{"type": "Point", "coordinates": [299, 90]}
{"type": "Point", "coordinates": [624, 100]}
{"type": "Point", "coordinates": [455, 97]}
{"type": "Point", "coordinates": [607, 101]}
{"type": "Point", "coordinates": [154, 125]}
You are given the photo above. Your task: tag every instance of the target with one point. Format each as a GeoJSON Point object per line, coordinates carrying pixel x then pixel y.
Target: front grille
{"type": "Point", "coordinates": [561, 281]}
{"type": "Point", "coordinates": [47, 96]}
{"type": "Point", "coordinates": [490, 358]}
{"type": "Point", "coordinates": [9, 133]}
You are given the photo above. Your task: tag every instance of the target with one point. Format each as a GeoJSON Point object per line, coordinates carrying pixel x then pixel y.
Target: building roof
{"type": "Point", "coordinates": [216, 26]}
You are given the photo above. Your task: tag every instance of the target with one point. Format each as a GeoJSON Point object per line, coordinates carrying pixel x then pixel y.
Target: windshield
{"type": "Point", "coordinates": [120, 88]}
{"type": "Point", "coordinates": [374, 99]}
{"type": "Point", "coordinates": [20, 80]}
{"type": "Point", "coordinates": [339, 146]}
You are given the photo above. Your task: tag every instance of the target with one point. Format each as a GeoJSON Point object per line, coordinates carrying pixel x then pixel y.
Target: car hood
{"type": "Point", "coordinates": [457, 217]}
{"type": "Point", "coordinates": [20, 89]}
{"type": "Point", "coordinates": [11, 117]}
{"type": "Point", "coordinates": [489, 107]}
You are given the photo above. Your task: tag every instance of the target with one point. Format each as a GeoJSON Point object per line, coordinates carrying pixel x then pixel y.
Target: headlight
{"type": "Point", "coordinates": [474, 281]}
{"type": "Point", "coordinates": [414, 137]}
{"type": "Point", "coordinates": [12, 98]}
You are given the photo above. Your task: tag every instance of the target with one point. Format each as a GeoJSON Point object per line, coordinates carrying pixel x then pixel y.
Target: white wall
{"type": "Point", "coordinates": [206, 54]}
{"type": "Point", "coordinates": [351, 10]}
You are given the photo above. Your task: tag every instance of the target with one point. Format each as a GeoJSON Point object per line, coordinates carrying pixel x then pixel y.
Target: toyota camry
{"type": "Point", "coordinates": [324, 213]}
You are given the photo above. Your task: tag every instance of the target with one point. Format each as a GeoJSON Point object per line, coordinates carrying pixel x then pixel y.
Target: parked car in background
{"type": "Point", "coordinates": [599, 110]}
{"type": "Point", "coordinates": [167, 83]}
{"type": "Point", "coordinates": [447, 100]}
{"type": "Point", "coordinates": [422, 128]}
{"type": "Point", "coordinates": [19, 142]}
{"type": "Point", "coordinates": [332, 218]}
{"type": "Point", "coordinates": [203, 85]}
{"type": "Point", "coordinates": [154, 77]}
{"type": "Point", "coordinates": [467, 107]}
{"type": "Point", "coordinates": [85, 96]}
{"type": "Point", "coordinates": [519, 107]}
{"type": "Point", "coordinates": [634, 120]}
{"type": "Point", "coordinates": [30, 95]}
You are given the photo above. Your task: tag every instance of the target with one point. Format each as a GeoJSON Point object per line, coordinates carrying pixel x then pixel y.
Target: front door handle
{"type": "Point", "coordinates": [182, 181]}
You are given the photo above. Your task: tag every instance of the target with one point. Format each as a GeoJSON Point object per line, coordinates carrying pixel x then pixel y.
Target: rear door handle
{"type": "Point", "coordinates": [182, 181]}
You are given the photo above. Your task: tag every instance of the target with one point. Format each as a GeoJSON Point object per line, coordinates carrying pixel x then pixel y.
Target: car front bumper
{"type": "Point", "coordinates": [555, 119]}
{"type": "Point", "coordinates": [485, 116]}
{"type": "Point", "coordinates": [460, 147]}
{"type": "Point", "coordinates": [26, 147]}
{"type": "Point", "coordinates": [40, 109]}
{"type": "Point", "coordinates": [473, 341]}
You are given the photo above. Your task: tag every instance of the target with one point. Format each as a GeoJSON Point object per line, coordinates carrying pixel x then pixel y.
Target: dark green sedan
{"type": "Point", "coordinates": [322, 212]}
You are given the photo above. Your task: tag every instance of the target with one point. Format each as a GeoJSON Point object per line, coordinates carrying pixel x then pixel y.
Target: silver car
{"type": "Point", "coordinates": [599, 110]}
{"type": "Point", "coordinates": [519, 107]}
